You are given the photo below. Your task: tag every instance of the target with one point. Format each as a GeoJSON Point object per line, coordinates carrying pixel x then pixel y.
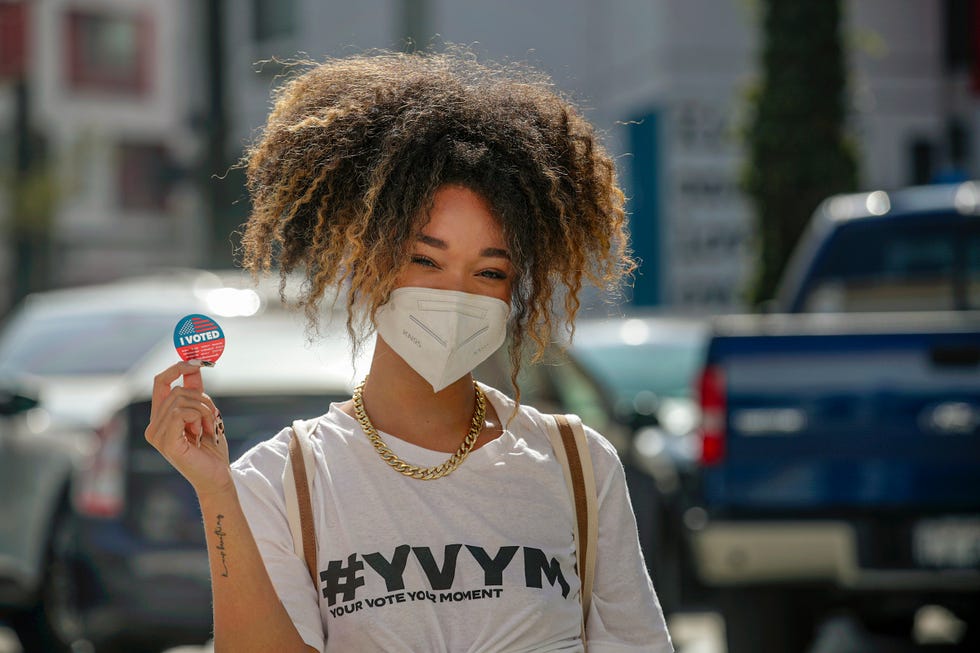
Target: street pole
{"type": "Point", "coordinates": [29, 221]}
{"type": "Point", "coordinates": [218, 249]}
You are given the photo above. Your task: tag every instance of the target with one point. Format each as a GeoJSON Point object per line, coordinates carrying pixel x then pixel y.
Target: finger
{"type": "Point", "coordinates": [165, 435]}
{"type": "Point", "coordinates": [211, 418]}
{"type": "Point", "coordinates": [219, 431]}
{"type": "Point", "coordinates": [205, 417]}
{"type": "Point", "coordinates": [182, 399]}
{"type": "Point", "coordinates": [163, 381]}
{"type": "Point", "coordinates": [193, 379]}
{"type": "Point", "coordinates": [206, 398]}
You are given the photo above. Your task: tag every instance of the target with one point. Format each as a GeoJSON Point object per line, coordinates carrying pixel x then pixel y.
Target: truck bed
{"type": "Point", "coordinates": [849, 411]}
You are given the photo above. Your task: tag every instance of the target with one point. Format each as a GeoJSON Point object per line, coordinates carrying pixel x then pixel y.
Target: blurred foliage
{"type": "Point", "coordinates": [33, 197]}
{"type": "Point", "coordinates": [799, 152]}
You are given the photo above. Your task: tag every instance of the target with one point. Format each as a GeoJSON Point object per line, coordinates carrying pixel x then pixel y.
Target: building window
{"type": "Point", "coordinates": [273, 18]}
{"type": "Point", "coordinates": [145, 174]}
{"type": "Point", "coordinates": [13, 40]}
{"type": "Point", "coordinates": [108, 51]}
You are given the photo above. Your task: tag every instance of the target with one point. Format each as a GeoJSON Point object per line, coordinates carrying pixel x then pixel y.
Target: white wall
{"type": "Point", "coordinates": [897, 83]}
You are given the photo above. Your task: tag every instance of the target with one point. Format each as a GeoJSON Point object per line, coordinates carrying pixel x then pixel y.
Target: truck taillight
{"type": "Point", "coordinates": [711, 393]}
{"type": "Point", "coordinates": [100, 490]}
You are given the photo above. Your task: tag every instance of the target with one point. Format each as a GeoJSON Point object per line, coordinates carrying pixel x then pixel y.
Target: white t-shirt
{"type": "Point", "coordinates": [480, 560]}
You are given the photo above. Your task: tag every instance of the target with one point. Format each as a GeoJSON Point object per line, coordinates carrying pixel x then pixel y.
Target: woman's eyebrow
{"type": "Point", "coordinates": [433, 242]}
{"type": "Point", "coordinates": [438, 243]}
{"type": "Point", "coordinates": [495, 252]}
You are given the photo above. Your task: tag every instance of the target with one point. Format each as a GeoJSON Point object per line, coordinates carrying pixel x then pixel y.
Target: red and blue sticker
{"type": "Point", "coordinates": [198, 337]}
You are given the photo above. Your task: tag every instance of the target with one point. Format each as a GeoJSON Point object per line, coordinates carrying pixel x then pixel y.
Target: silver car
{"type": "Point", "coordinates": [74, 349]}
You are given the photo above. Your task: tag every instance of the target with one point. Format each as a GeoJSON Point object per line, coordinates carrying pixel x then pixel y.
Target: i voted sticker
{"type": "Point", "coordinates": [198, 337]}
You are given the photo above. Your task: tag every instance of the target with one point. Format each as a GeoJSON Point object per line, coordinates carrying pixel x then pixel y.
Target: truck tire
{"type": "Point", "coordinates": [764, 620]}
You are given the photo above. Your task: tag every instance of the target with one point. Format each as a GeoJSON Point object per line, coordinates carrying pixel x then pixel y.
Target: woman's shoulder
{"type": "Point", "coordinates": [268, 456]}
{"type": "Point", "coordinates": [530, 423]}
{"type": "Point", "coordinates": [264, 456]}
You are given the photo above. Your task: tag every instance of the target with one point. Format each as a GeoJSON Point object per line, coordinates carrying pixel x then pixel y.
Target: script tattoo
{"type": "Point", "coordinates": [221, 545]}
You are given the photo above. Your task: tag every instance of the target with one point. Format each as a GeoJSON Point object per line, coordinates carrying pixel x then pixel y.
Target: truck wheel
{"type": "Point", "coordinates": [667, 562]}
{"type": "Point", "coordinates": [765, 621]}
{"type": "Point", "coordinates": [55, 623]}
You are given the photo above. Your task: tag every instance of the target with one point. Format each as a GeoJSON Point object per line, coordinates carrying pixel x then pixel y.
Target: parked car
{"type": "Point", "coordinates": [129, 570]}
{"type": "Point", "coordinates": [841, 441]}
{"type": "Point", "coordinates": [125, 563]}
{"type": "Point", "coordinates": [648, 364]}
{"type": "Point", "coordinates": [73, 349]}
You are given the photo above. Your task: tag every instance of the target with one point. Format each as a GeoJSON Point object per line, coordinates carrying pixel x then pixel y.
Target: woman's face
{"type": "Point", "coordinates": [462, 247]}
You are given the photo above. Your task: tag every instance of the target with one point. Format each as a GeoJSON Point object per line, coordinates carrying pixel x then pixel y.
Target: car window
{"type": "Point", "coordinates": [579, 394]}
{"type": "Point", "coordinates": [71, 344]}
{"type": "Point", "coordinates": [908, 266]}
{"type": "Point", "coordinates": [551, 385]}
{"type": "Point", "coordinates": [666, 369]}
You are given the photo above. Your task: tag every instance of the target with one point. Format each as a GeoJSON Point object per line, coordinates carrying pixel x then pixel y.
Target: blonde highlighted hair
{"type": "Point", "coordinates": [343, 175]}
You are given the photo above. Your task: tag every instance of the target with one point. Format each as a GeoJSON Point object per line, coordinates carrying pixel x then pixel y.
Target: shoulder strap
{"type": "Point", "coordinates": [299, 507]}
{"type": "Point", "coordinates": [572, 450]}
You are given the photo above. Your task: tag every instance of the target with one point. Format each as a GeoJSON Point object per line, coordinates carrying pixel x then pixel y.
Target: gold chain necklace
{"type": "Point", "coordinates": [414, 471]}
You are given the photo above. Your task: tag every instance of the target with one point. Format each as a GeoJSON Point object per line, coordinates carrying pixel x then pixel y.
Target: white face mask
{"type": "Point", "coordinates": [442, 334]}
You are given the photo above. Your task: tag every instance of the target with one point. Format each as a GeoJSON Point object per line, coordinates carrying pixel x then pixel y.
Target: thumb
{"type": "Point", "coordinates": [194, 380]}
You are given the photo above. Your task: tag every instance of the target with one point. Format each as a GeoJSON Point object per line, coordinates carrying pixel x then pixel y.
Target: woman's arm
{"type": "Point", "coordinates": [248, 615]}
{"type": "Point", "coordinates": [625, 614]}
{"type": "Point", "coordinates": [184, 427]}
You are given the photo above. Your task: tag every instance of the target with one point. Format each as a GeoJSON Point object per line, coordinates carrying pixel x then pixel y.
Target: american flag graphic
{"type": "Point", "coordinates": [196, 325]}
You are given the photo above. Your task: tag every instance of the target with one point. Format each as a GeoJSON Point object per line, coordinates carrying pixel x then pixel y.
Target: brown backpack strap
{"type": "Point", "coordinates": [578, 487]}
{"type": "Point", "coordinates": [305, 505]}
{"type": "Point", "coordinates": [572, 450]}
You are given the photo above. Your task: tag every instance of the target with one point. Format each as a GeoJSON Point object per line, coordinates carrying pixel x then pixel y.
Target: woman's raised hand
{"type": "Point", "coordinates": [186, 427]}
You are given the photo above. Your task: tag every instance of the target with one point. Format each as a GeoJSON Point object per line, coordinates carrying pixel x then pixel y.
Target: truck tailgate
{"type": "Point", "coordinates": [825, 413]}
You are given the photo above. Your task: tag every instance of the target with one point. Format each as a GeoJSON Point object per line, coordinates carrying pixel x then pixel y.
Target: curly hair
{"type": "Point", "coordinates": [343, 176]}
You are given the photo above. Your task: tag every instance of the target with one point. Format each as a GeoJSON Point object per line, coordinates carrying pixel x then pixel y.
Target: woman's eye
{"type": "Point", "coordinates": [493, 274]}
{"type": "Point", "coordinates": [422, 260]}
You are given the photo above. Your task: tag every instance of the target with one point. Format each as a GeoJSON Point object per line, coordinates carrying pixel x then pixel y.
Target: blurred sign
{"type": "Point", "coordinates": [13, 39]}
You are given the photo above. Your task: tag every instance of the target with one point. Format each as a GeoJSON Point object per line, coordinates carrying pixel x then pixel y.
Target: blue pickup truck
{"type": "Point", "coordinates": [840, 437]}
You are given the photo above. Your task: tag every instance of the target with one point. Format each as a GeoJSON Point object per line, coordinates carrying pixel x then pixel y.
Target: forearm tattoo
{"type": "Point", "coordinates": [221, 546]}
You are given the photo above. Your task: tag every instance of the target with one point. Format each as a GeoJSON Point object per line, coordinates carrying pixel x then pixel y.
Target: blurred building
{"type": "Point", "coordinates": [103, 108]}
{"type": "Point", "coordinates": [666, 81]}
{"type": "Point", "coordinates": [134, 96]}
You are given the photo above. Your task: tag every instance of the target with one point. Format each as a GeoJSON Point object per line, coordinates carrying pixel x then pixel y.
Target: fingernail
{"type": "Point", "coordinates": [195, 363]}
{"type": "Point", "coordinates": [199, 438]}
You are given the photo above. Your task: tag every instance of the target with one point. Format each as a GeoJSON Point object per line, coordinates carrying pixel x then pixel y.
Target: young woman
{"type": "Point", "coordinates": [447, 203]}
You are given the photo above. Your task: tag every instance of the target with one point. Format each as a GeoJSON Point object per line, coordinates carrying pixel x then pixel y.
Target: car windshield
{"type": "Point", "coordinates": [916, 264]}
{"type": "Point", "coordinates": [665, 368]}
{"type": "Point", "coordinates": [74, 344]}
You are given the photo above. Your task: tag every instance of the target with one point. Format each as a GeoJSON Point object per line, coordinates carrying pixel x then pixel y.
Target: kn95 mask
{"type": "Point", "coordinates": [442, 334]}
